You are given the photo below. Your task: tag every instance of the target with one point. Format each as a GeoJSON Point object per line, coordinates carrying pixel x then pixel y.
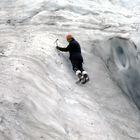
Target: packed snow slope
{"type": "Point", "coordinates": [39, 99]}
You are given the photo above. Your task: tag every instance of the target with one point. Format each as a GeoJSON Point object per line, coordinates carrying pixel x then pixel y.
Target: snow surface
{"type": "Point", "coordinates": [39, 99]}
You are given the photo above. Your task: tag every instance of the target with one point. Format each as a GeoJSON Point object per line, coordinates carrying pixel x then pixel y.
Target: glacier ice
{"type": "Point", "coordinates": [39, 99]}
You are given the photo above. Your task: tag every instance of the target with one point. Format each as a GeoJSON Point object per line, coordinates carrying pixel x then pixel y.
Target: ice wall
{"type": "Point", "coordinates": [122, 61]}
{"type": "Point", "coordinates": [39, 99]}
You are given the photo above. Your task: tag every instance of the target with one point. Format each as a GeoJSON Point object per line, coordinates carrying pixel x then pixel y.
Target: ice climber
{"type": "Point", "coordinates": [76, 58]}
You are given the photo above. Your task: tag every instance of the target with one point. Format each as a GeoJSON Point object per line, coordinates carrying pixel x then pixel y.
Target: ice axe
{"type": "Point", "coordinates": [56, 42]}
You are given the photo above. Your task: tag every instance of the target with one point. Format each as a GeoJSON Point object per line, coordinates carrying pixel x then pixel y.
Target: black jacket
{"type": "Point", "coordinates": [74, 50]}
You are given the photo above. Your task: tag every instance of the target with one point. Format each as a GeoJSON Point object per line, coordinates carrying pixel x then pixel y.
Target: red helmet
{"type": "Point", "coordinates": [69, 37]}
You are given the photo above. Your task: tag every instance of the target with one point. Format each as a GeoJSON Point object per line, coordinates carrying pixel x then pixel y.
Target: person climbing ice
{"type": "Point", "coordinates": [76, 58]}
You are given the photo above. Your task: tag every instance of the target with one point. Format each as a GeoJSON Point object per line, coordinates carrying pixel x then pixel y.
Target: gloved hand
{"type": "Point", "coordinates": [57, 47]}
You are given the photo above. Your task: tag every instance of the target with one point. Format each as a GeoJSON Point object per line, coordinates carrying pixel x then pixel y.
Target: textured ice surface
{"type": "Point", "coordinates": [39, 99]}
{"type": "Point", "coordinates": [123, 64]}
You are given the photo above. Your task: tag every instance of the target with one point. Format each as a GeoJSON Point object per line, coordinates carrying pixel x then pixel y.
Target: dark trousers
{"type": "Point", "coordinates": [77, 65]}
